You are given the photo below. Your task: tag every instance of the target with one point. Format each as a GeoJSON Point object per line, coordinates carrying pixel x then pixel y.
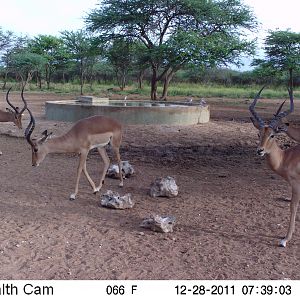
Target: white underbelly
{"type": "Point", "coordinates": [99, 145]}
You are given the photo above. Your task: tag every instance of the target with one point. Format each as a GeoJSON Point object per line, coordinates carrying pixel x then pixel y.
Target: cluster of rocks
{"type": "Point", "coordinates": [127, 170]}
{"type": "Point", "coordinates": [160, 187]}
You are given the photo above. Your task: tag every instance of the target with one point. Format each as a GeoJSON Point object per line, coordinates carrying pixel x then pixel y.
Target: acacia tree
{"type": "Point", "coordinates": [282, 54]}
{"type": "Point", "coordinates": [176, 32]}
{"type": "Point", "coordinates": [120, 55]}
{"type": "Point", "coordinates": [24, 64]}
{"type": "Point", "coordinates": [82, 48]}
{"type": "Point", "coordinates": [50, 47]}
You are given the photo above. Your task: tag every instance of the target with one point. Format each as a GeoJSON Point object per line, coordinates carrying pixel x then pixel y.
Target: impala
{"type": "Point", "coordinates": [14, 115]}
{"type": "Point", "coordinates": [86, 134]}
{"type": "Point", "coordinates": [285, 163]}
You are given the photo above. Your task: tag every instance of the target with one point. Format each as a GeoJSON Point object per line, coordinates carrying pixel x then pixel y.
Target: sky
{"type": "Point", "coordinates": [34, 17]}
{"type": "Point", "coordinates": [48, 17]}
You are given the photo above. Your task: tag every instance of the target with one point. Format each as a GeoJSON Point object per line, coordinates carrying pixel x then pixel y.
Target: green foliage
{"type": "Point", "coordinates": [25, 63]}
{"type": "Point", "coordinates": [282, 54]}
{"type": "Point", "coordinates": [177, 32]}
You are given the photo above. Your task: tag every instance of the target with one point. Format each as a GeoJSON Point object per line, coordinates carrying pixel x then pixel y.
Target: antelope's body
{"type": "Point", "coordinates": [86, 134]}
{"type": "Point", "coordinates": [285, 163]}
{"type": "Point", "coordinates": [13, 115]}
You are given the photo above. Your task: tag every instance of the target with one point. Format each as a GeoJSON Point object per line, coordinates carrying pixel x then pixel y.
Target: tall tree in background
{"type": "Point", "coordinates": [82, 48]}
{"type": "Point", "coordinates": [176, 32]}
{"type": "Point", "coordinates": [50, 48]}
{"type": "Point", "coordinates": [120, 55]}
{"type": "Point", "coordinates": [24, 64]}
{"type": "Point", "coordinates": [10, 46]}
{"type": "Point", "coordinates": [282, 54]}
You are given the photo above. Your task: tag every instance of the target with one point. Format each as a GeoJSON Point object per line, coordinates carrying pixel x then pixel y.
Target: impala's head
{"type": "Point", "coordinates": [39, 151]}
{"type": "Point", "coordinates": [16, 113]}
{"type": "Point", "coordinates": [268, 131]}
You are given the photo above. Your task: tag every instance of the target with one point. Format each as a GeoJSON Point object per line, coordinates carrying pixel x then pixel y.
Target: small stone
{"type": "Point", "coordinates": [164, 187]}
{"type": "Point", "coordinates": [113, 200]}
{"type": "Point", "coordinates": [159, 223]}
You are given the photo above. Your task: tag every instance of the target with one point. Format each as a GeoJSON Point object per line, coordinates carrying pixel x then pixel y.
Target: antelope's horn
{"type": "Point", "coordinates": [9, 103]}
{"type": "Point", "coordinates": [255, 115]}
{"type": "Point", "coordinates": [279, 115]}
{"type": "Point", "coordinates": [30, 129]}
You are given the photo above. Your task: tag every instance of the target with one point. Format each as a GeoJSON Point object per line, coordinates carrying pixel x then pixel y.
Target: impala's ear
{"type": "Point", "coordinates": [9, 110]}
{"type": "Point", "coordinates": [255, 123]}
{"type": "Point", "coordinates": [45, 136]}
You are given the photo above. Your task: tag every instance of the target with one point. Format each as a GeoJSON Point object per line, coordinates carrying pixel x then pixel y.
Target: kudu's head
{"type": "Point", "coordinates": [16, 113]}
{"type": "Point", "coordinates": [268, 131]}
{"type": "Point", "coordinates": [38, 147]}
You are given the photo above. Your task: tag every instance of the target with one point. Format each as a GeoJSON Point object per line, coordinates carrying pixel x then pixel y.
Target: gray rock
{"type": "Point", "coordinates": [164, 187]}
{"type": "Point", "coordinates": [113, 200]}
{"type": "Point", "coordinates": [127, 170]}
{"type": "Point", "coordinates": [159, 223]}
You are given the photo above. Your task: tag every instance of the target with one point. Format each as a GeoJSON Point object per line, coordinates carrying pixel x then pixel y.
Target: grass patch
{"type": "Point", "coordinates": [175, 89]}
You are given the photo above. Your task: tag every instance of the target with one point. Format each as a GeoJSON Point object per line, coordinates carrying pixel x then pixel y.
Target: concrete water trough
{"type": "Point", "coordinates": [129, 112]}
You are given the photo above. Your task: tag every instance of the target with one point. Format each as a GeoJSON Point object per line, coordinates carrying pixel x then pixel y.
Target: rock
{"type": "Point", "coordinates": [164, 187]}
{"type": "Point", "coordinates": [159, 223]}
{"type": "Point", "coordinates": [127, 170]}
{"type": "Point", "coordinates": [113, 200]}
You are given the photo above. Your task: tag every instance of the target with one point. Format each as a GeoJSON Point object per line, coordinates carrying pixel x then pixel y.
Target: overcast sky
{"type": "Point", "coordinates": [34, 17]}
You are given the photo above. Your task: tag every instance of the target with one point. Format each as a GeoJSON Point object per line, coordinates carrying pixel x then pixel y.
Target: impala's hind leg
{"type": "Point", "coordinates": [293, 209]}
{"type": "Point", "coordinates": [117, 151]}
{"type": "Point", "coordinates": [115, 143]}
{"type": "Point", "coordinates": [106, 161]}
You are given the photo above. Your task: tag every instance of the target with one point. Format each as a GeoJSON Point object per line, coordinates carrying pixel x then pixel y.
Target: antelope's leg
{"type": "Point", "coordinates": [82, 161]}
{"type": "Point", "coordinates": [88, 177]}
{"type": "Point", "coordinates": [117, 151]}
{"type": "Point", "coordinates": [106, 161]}
{"type": "Point", "coordinates": [293, 211]}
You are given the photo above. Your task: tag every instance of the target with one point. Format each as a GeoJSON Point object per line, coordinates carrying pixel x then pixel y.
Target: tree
{"type": "Point", "coordinates": [25, 64]}
{"type": "Point", "coordinates": [120, 55]}
{"type": "Point", "coordinates": [176, 32]}
{"type": "Point", "coordinates": [82, 48]}
{"type": "Point", "coordinates": [14, 44]}
{"type": "Point", "coordinates": [282, 54]}
{"type": "Point", "coordinates": [50, 48]}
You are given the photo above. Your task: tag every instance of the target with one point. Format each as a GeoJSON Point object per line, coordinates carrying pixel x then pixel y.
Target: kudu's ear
{"type": "Point", "coordinates": [255, 123]}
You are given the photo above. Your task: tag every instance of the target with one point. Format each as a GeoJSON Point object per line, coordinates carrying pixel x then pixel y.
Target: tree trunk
{"type": "Point", "coordinates": [154, 83]}
{"type": "Point", "coordinates": [140, 79]}
{"type": "Point", "coordinates": [5, 81]}
{"type": "Point", "coordinates": [81, 77]}
{"type": "Point", "coordinates": [167, 80]}
{"type": "Point", "coordinates": [291, 80]}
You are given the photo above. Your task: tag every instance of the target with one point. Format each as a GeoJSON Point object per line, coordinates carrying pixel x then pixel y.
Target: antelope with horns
{"type": "Point", "coordinates": [285, 163]}
{"type": "Point", "coordinates": [13, 115]}
{"type": "Point", "coordinates": [86, 134]}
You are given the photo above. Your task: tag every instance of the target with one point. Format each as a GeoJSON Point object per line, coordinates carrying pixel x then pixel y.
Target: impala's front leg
{"type": "Point", "coordinates": [91, 182]}
{"type": "Point", "coordinates": [82, 161]}
{"type": "Point", "coordinates": [293, 209]}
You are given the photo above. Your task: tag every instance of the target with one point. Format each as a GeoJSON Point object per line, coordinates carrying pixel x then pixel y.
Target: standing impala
{"type": "Point", "coordinates": [285, 163]}
{"type": "Point", "coordinates": [86, 134]}
{"type": "Point", "coordinates": [15, 115]}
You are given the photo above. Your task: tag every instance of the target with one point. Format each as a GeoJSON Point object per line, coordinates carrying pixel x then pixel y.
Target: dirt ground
{"type": "Point", "coordinates": [231, 210]}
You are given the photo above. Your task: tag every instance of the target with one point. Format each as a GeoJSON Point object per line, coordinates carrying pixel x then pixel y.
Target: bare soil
{"type": "Point", "coordinates": [231, 210]}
